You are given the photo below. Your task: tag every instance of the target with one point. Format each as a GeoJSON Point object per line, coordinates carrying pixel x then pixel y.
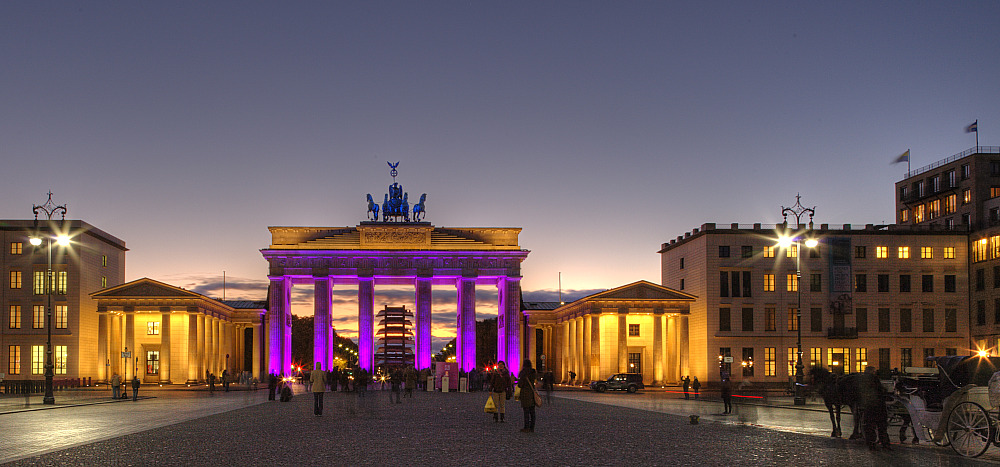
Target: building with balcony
{"type": "Point", "coordinates": [875, 295]}
{"type": "Point", "coordinates": [962, 192]}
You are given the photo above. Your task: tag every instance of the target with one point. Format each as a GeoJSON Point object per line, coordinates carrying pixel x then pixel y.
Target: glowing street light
{"type": "Point", "coordinates": [786, 241]}
{"type": "Point", "coordinates": [49, 209]}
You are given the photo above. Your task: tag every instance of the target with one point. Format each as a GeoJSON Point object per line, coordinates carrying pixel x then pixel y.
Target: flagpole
{"type": "Point", "coordinates": [977, 135]}
{"type": "Point", "coordinates": [909, 156]}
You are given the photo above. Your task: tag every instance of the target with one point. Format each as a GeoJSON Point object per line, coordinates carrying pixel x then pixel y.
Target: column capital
{"type": "Point", "coordinates": [165, 309]}
{"type": "Point", "coordinates": [128, 309]}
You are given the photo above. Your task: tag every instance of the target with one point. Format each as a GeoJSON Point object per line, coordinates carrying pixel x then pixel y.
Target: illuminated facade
{"type": "Point", "coordinates": [176, 336]}
{"type": "Point", "coordinates": [962, 192]}
{"type": "Point", "coordinates": [636, 328]}
{"type": "Point", "coordinates": [405, 253]}
{"type": "Point", "coordinates": [882, 296]}
{"type": "Point", "coordinates": [93, 259]}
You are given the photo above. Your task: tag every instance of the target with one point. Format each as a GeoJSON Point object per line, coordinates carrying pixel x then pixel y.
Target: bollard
{"type": "Point", "coordinates": [430, 384]}
{"type": "Point", "coordinates": [444, 383]}
{"type": "Point", "coordinates": [463, 385]}
{"type": "Point", "coordinates": [694, 419]}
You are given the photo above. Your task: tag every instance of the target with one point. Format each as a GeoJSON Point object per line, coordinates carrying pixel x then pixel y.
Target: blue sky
{"type": "Point", "coordinates": [601, 128]}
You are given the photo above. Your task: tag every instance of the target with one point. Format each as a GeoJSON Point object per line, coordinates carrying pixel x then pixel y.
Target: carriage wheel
{"type": "Point", "coordinates": [969, 429]}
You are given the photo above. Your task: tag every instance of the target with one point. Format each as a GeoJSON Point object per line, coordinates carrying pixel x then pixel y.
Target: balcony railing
{"type": "Point", "coordinates": [948, 160]}
{"type": "Point", "coordinates": [842, 333]}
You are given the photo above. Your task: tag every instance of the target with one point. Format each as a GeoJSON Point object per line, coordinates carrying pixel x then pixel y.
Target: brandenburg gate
{"type": "Point", "coordinates": [394, 250]}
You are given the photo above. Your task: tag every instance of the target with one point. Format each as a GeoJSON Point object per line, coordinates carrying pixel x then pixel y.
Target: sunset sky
{"type": "Point", "coordinates": [603, 129]}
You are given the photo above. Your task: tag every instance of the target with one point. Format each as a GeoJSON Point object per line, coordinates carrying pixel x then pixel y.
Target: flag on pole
{"type": "Point", "coordinates": [904, 157]}
{"type": "Point", "coordinates": [974, 128]}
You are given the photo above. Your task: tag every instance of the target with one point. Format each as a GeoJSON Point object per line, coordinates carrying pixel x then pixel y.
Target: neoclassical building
{"type": "Point", "coordinates": [641, 327]}
{"type": "Point", "coordinates": [170, 335]}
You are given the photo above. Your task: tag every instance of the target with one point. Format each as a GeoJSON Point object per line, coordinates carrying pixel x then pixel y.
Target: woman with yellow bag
{"type": "Point", "coordinates": [501, 388]}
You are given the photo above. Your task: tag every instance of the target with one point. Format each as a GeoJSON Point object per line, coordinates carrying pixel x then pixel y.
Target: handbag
{"type": "Point", "coordinates": [538, 399]}
{"type": "Point", "coordinates": [517, 393]}
{"type": "Point", "coordinates": [491, 407]}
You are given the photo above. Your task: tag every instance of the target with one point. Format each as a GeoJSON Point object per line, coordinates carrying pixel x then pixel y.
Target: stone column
{"type": "Point", "coordinates": [165, 345]}
{"type": "Point", "coordinates": [422, 299]}
{"type": "Point", "coordinates": [622, 340]}
{"type": "Point", "coordinates": [571, 354]}
{"type": "Point", "coordinates": [581, 359]}
{"type": "Point", "coordinates": [366, 324]}
{"type": "Point", "coordinates": [465, 342]}
{"type": "Point", "coordinates": [657, 348]}
{"type": "Point", "coordinates": [278, 292]}
{"type": "Point", "coordinates": [683, 343]}
{"type": "Point", "coordinates": [533, 346]}
{"type": "Point", "coordinates": [256, 343]}
{"type": "Point", "coordinates": [595, 347]}
{"type": "Point", "coordinates": [587, 347]}
{"type": "Point", "coordinates": [130, 340]}
{"type": "Point", "coordinates": [212, 346]}
{"type": "Point", "coordinates": [203, 349]}
{"type": "Point", "coordinates": [322, 300]}
{"type": "Point", "coordinates": [192, 360]}
{"type": "Point", "coordinates": [510, 304]}
{"type": "Point", "coordinates": [673, 373]}
{"type": "Point", "coordinates": [103, 342]}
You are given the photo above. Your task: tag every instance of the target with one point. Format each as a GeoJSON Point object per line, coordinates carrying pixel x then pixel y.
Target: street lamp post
{"type": "Point", "coordinates": [49, 209]}
{"type": "Point", "coordinates": [798, 210]}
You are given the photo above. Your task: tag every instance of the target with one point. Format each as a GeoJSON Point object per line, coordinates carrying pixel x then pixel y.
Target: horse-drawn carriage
{"type": "Point", "coordinates": [957, 405]}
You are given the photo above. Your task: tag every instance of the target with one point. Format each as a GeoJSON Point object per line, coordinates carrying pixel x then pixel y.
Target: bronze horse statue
{"type": "Point", "coordinates": [419, 210]}
{"type": "Point", "coordinates": [372, 208]}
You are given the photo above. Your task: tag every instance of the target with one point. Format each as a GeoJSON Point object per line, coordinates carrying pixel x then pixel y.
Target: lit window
{"type": "Point", "coordinates": [769, 282]}
{"type": "Point", "coordinates": [860, 359]}
{"type": "Point", "coordinates": [769, 362]}
{"type": "Point", "coordinates": [966, 196]}
{"type": "Point", "coordinates": [61, 279]}
{"type": "Point", "coordinates": [14, 360]}
{"type": "Point", "coordinates": [59, 354]}
{"type": "Point", "coordinates": [979, 249]}
{"type": "Point", "coordinates": [39, 283]}
{"type": "Point", "coordinates": [792, 359]}
{"type": "Point", "coordinates": [793, 320]}
{"type": "Point", "coordinates": [934, 209]}
{"type": "Point", "coordinates": [816, 356]}
{"type": "Point", "coordinates": [104, 260]}
{"type": "Point", "coordinates": [949, 252]}
{"type": "Point", "coordinates": [994, 251]}
{"type": "Point", "coordinates": [37, 317]}
{"type": "Point", "coordinates": [926, 252]}
{"type": "Point", "coordinates": [904, 215]}
{"type": "Point", "coordinates": [37, 359]}
{"type": "Point", "coordinates": [839, 359]}
{"type": "Point", "coordinates": [153, 328]}
{"type": "Point", "coordinates": [62, 317]}
{"type": "Point", "coordinates": [792, 251]}
{"type": "Point", "coordinates": [14, 318]}
{"type": "Point", "coordinates": [104, 282]}
{"type": "Point", "coordinates": [769, 252]}
{"type": "Point", "coordinates": [15, 248]}
{"type": "Point", "coordinates": [15, 279]}
{"type": "Point", "coordinates": [881, 252]}
{"type": "Point", "coordinates": [904, 252]}
{"type": "Point", "coordinates": [994, 191]}
{"type": "Point", "coordinates": [918, 213]}
{"type": "Point", "coordinates": [793, 282]}
{"type": "Point", "coordinates": [950, 203]}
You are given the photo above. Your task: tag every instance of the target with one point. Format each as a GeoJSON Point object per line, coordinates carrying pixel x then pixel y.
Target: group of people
{"type": "Point", "coordinates": [116, 387]}
{"type": "Point", "coordinates": [687, 384]}
{"type": "Point", "coordinates": [501, 387]}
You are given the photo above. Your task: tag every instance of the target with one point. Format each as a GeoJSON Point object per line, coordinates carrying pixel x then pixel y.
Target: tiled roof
{"type": "Point", "coordinates": [539, 305]}
{"type": "Point", "coordinates": [246, 304]}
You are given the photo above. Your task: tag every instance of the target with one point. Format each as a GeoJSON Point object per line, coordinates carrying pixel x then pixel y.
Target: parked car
{"type": "Point", "coordinates": [630, 382]}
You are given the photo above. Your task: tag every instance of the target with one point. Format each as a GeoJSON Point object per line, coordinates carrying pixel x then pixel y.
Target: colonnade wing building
{"type": "Point", "coordinates": [885, 296]}
{"type": "Point", "coordinates": [636, 328]}
{"type": "Point", "coordinates": [404, 253]}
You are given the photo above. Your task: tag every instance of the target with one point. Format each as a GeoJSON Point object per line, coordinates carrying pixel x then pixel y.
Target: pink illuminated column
{"type": "Point", "coordinates": [321, 322]}
{"type": "Point", "coordinates": [509, 337]}
{"type": "Point", "coordinates": [423, 318]}
{"type": "Point", "coordinates": [276, 311]}
{"type": "Point", "coordinates": [366, 324]}
{"type": "Point", "coordinates": [466, 340]}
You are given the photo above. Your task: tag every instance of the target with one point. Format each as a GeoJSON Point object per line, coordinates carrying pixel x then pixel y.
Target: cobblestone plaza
{"type": "Point", "coordinates": [578, 428]}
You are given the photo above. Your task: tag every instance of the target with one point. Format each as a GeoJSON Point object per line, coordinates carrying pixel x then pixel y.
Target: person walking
{"type": "Point", "coordinates": [135, 388]}
{"type": "Point", "coordinates": [225, 380]}
{"type": "Point", "coordinates": [395, 382]}
{"type": "Point", "coordinates": [272, 386]}
{"type": "Point", "coordinates": [526, 381]}
{"type": "Point", "coordinates": [697, 387]}
{"type": "Point", "coordinates": [318, 381]}
{"type": "Point", "coordinates": [687, 384]}
{"type": "Point", "coordinates": [501, 388]}
{"type": "Point", "coordinates": [410, 377]}
{"type": "Point", "coordinates": [116, 386]}
{"type": "Point", "coordinates": [727, 396]}
{"type": "Point", "coordinates": [211, 383]}
{"type": "Point", "coordinates": [548, 385]}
